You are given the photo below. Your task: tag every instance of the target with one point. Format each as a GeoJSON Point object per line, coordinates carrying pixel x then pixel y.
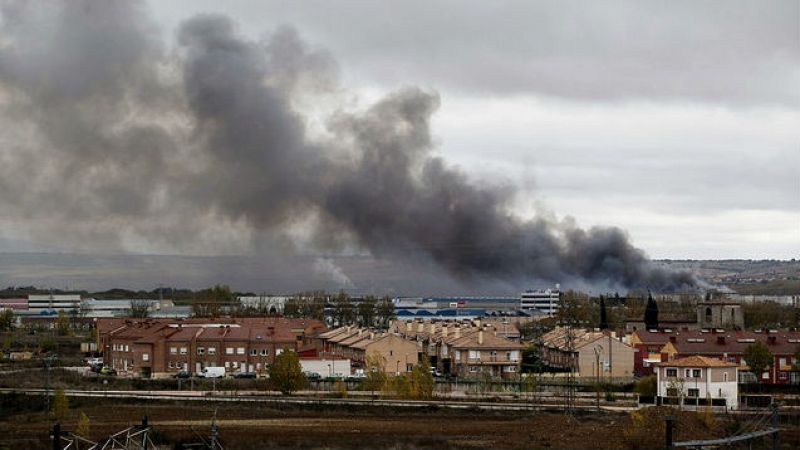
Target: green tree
{"type": "Point", "coordinates": [83, 427]}
{"type": "Point", "coordinates": [651, 313]}
{"type": "Point", "coordinates": [286, 373]}
{"type": "Point", "coordinates": [603, 314]}
{"type": "Point", "coordinates": [758, 358]}
{"type": "Point", "coordinates": [646, 386]}
{"type": "Point", "coordinates": [6, 320]}
{"type": "Point", "coordinates": [62, 323]}
{"type": "Point", "coordinates": [385, 312]}
{"type": "Point", "coordinates": [366, 311]}
{"type": "Point", "coordinates": [140, 309]}
{"type": "Point", "coordinates": [422, 380]}
{"type": "Point", "coordinates": [60, 404]}
{"type": "Point", "coordinates": [375, 368]}
{"type": "Point", "coordinates": [343, 310]}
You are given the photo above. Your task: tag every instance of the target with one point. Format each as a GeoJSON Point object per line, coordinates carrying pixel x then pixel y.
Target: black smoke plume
{"type": "Point", "coordinates": [115, 140]}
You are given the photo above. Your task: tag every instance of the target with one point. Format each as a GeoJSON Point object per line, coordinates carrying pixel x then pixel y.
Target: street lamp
{"type": "Point", "coordinates": [597, 350]}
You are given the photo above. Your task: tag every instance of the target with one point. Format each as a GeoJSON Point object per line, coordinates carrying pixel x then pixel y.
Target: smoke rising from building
{"type": "Point", "coordinates": [118, 141]}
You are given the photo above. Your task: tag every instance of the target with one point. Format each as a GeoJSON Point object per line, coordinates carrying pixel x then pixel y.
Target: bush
{"type": "Point", "coordinates": [646, 386]}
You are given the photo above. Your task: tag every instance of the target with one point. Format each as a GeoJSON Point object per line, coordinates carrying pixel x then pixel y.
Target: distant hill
{"type": "Point", "coordinates": [764, 277]}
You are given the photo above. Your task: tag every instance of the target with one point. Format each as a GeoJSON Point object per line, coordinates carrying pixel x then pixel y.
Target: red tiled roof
{"type": "Point", "coordinates": [696, 361]}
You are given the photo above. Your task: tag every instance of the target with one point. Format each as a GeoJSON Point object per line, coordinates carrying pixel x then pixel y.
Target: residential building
{"type": "Point", "coordinates": [397, 355]}
{"type": "Point", "coordinates": [698, 381]}
{"type": "Point", "coordinates": [581, 350]}
{"type": "Point", "coordinates": [161, 347]}
{"type": "Point", "coordinates": [666, 345]}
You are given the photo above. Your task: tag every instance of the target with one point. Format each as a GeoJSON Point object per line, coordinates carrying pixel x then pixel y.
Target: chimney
{"type": "Point", "coordinates": [478, 323]}
{"type": "Point", "coordinates": [408, 326]}
{"type": "Point", "coordinates": [457, 332]}
{"type": "Point", "coordinates": [421, 327]}
{"type": "Point", "coordinates": [480, 337]}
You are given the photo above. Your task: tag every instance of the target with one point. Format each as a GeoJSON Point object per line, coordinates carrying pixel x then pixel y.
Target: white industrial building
{"type": "Point", "coordinates": [545, 301]}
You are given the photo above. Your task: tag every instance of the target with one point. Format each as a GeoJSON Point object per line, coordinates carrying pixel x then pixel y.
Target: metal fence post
{"type": "Point", "coordinates": [57, 436]}
{"type": "Point", "coordinates": [670, 421]}
{"type": "Point", "coordinates": [776, 440]}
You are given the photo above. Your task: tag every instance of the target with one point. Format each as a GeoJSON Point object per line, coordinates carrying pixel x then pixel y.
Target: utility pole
{"type": "Point", "coordinates": [597, 350]}
{"type": "Point", "coordinates": [213, 444]}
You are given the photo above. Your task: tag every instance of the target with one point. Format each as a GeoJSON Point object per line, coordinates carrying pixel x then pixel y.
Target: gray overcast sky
{"type": "Point", "coordinates": [678, 121]}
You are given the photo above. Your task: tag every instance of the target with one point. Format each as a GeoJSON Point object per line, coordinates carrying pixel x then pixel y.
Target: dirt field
{"type": "Point", "coordinates": [252, 426]}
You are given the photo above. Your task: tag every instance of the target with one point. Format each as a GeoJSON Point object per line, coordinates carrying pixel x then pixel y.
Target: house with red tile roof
{"type": "Point", "coordinates": [697, 381]}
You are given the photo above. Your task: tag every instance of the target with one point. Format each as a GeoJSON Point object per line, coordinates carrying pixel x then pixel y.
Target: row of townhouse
{"type": "Point", "coordinates": [661, 346]}
{"type": "Point", "coordinates": [160, 348]}
{"type": "Point", "coordinates": [467, 348]}
{"type": "Point", "coordinates": [459, 348]}
{"type": "Point", "coordinates": [589, 353]}
{"type": "Point", "coordinates": [398, 355]}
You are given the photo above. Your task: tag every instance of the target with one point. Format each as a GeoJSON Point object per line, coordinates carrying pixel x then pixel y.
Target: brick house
{"type": "Point", "coordinates": [160, 348]}
{"type": "Point", "coordinates": [664, 346]}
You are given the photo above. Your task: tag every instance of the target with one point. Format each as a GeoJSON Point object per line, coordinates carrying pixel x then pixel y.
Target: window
{"type": "Point", "coordinates": [278, 351]}
{"type": "Point", "coordinates": [513, 355]}
{"type": "Point", "coordinates": [474, 354]}
{"type": "Point", "coordinates": [228, 350]}
{"type": "Point", "coordinates": [264, 352]}
{"type": "Point", "coordinates": [235, 364]}
{"type": "Point", "coordinates": [145, 357]}
{"type": "Point", "coordinates": [227, 364]}
{"type": "Point", "coordinates": [473, 368]}
{"type": "Point", "coordinates": [170, 364]}
{"type": "Point", "coordinates": [672, 373]}
{"type": "Point", "coordinates": [725, 376]}
{"type": "Point", "coordinates": [782, 362]}
{"type": "Point", "coordinates": [212, 350]}
{"type": "Point", "coordinates": [173, 350]}
{"type": "Point", "coordinates": [765, 375]}
{"type": "Point", "coordinates": [693, 393]}
{"type": "Point", "coordinates": [509, 368]}
{"type": "Point", "coordinates": [184, 351]}
{"type": "Point", "coordinates": [253, 352]}
{"type": "Point", "coordinates": [687, 373]}
{"type": "Point", "coordinates": [696, 373]}
{"type": "Point", "coordinates": [672, 392]}
{"type": "Point", "coordinates": [127, 349]}
{"type": "Point", "coordinates": [201, 350]}
{"type": "Point", "coordinates": [240, 350]}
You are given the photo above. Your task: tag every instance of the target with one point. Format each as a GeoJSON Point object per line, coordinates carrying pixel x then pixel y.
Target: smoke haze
{"type": "Point", "coordinates": [117, 141]}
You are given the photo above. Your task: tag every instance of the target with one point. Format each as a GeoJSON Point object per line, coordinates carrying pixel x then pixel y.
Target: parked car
{"type": "Point", "coordinates": [108, 371]}
{"type": "Point", "coordinates": [244, 375]}
{"type": "Point", "coordinates": [212, 372]}
{"type": "Point", "coordinates": [183, 374]}
{"type": "Point", "coordinates": [312, 376]}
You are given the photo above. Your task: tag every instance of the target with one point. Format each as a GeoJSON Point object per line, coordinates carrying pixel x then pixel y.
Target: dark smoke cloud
{"type": "Point", "coordinates": [120, 142]}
